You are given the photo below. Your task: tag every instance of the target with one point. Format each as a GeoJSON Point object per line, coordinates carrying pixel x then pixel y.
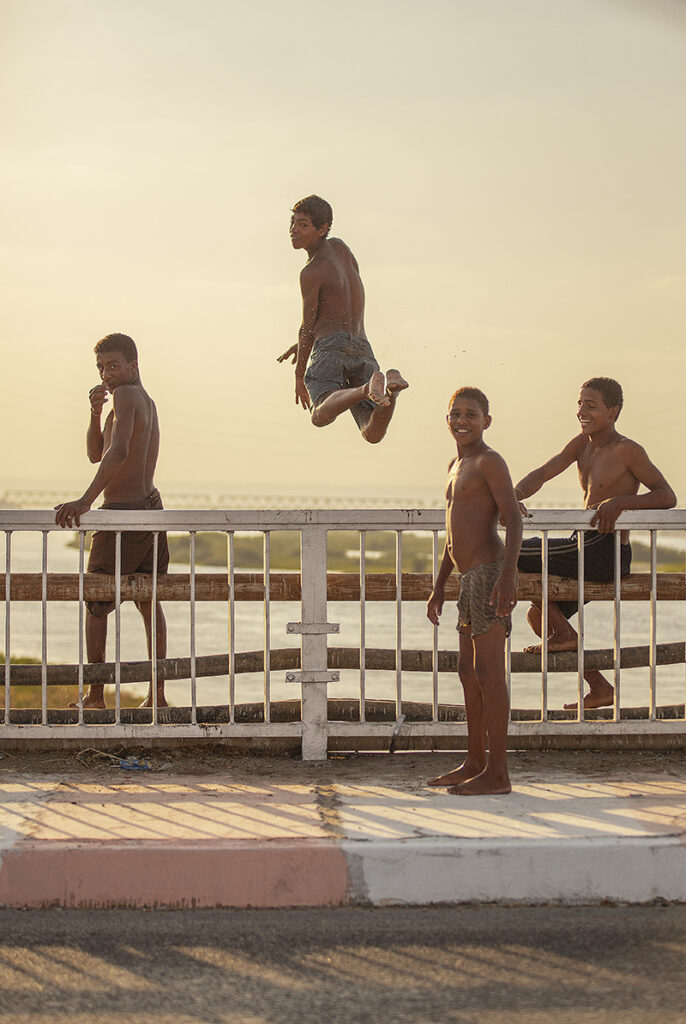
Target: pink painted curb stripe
{"type": "Point", "coordinates": [210, 874]}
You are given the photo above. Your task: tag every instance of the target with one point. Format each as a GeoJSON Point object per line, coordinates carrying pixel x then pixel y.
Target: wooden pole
{"type": "Point", "coordinates": [341, 586]}
{"type": "Point", "coordinates": [286, 659]}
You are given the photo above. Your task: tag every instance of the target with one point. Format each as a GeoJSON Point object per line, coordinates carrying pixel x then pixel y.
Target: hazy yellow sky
{"type": "Point", "coordinates": [509, 173]}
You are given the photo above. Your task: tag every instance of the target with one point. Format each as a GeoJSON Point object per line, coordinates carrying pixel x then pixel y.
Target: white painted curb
{"type": "Point", "coordinates": [417, 872]}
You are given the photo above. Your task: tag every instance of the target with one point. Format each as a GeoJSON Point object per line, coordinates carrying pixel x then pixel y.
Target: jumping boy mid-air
{"type": "Point", "coordinates": [342, 372]}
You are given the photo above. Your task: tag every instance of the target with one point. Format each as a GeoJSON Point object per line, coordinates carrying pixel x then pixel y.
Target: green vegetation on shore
{"type": "Point", "coordinates": [343, 550]}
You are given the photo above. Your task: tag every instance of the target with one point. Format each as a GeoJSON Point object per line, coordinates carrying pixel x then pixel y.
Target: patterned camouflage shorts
{"type": "Point", "coordinates": [476, 614]}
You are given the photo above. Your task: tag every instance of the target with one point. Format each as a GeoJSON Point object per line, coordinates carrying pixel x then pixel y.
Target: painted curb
{"type": "Point", "coordinates": [420, 872]}
{"type": "Point", "coordinates": [302, 873]}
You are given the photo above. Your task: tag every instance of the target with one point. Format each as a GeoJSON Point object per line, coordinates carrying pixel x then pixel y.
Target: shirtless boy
{"type": "Point", "coordinates": [611, 469]}
{"type": "Point", "coordinates": [478, 494]}
{"type": "Point", "coordinates": [342, 372]}
{"type": "Point", "coordinates": [126, 448]}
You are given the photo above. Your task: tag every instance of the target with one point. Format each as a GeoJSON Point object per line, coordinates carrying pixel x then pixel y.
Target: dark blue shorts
{"type": "Point", "coordinates": [341, 361]}
{"type": "Point", "coordinates": [599, 560]}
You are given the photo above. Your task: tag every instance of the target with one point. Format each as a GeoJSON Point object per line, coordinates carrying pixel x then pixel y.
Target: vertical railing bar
{"type": "Point", "coordinates": [8, 635]}
{"type": "Point", "coordinates": [653, 623]}
{"type": "Point", "coordinates": [267, 625]}
{"type": "Point", "coordinates": [153, 627]}
{"type": "Point", "coordinates": [44, 638]}
{"type": "Point", "coordinates": [434, 651]}
{"type": "Point", "coordinates": [232, 628]}
{"type": "Point", "coordinates": [82, 546]}
{"type": "Point", "coordinates": [617, 708]}
{"type": "Point", "coordinates": [194, 682]}
{"type": "Point", "coordinates": [363, 626]}
{"type": "Point", "coordinates": [544, 625]}
{"type": "Point", "coordinates": [581, 536]}
{"type": "Point", "coordinates": [398, 623]}
{"type": "Point", "coordinates": [117, 627]}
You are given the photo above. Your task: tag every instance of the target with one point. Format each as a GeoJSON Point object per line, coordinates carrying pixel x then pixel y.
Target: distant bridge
{"type": "Point", "coordinates": [46, 499]}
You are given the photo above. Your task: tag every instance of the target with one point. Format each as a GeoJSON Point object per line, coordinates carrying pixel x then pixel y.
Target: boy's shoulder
{"type": "Point", "coordinates": [489, 458]}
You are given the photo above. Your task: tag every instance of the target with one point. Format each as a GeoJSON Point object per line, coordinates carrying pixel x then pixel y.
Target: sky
{"type": "Point", "coordinates": [509, 173]}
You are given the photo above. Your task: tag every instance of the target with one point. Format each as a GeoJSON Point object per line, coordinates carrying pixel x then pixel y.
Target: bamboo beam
{"type": "Point", "coordinates": [341, 586]}
{"type": "Point", "coordinates": [286, 659]}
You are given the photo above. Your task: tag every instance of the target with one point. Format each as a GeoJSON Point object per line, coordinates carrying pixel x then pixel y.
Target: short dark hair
{"type": "Point", "coordinates": [118, 343]}
{"type": "Point", "coordinates": [475, 394]}
{"type": "Point", "coordinates": [317, 209]}
{"type": "Point", "coordinates": [610, 390]}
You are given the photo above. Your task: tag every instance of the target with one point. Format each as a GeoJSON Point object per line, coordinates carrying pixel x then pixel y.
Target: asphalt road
{"type": "Point", "coordinates": [469, 965]}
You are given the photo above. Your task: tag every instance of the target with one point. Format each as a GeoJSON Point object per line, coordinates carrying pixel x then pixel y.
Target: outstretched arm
{"type": "Point", "coordinates": [659, 494]}
{"type": "Point", "coordinates": [497, 476]}
{"type": "Point", "coordinates": [111, 463]}
{"type": "Point", "coordinates": [533, 481]}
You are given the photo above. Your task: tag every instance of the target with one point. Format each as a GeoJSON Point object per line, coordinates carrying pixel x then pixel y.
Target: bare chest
{"type": "Point", "coordinates": [604, 474]}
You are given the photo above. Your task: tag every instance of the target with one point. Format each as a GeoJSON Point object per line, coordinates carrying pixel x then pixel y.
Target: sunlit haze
{"type": "Point", "coordinates": [509, 175]}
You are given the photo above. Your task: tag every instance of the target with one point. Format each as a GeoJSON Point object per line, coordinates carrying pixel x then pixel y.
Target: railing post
{"type": "Point", "coordinates": [314, 644]}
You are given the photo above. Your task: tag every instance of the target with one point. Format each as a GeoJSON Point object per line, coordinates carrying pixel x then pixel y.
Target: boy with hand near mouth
{"type": "Point", "coordinates": [479, 493]}
{"type": "Point", "coordinates": [611, 469]}
{"type": "Point", "coordinates": [126, 448]}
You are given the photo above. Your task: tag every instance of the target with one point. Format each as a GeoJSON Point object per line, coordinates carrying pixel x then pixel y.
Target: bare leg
{"type": "Point", "coordinates": [475, 761]}
{"type": "Point", "coordinates": [377, 425]}
{"type": "Point", "coordinates": [489, 662]}
{"type": "Point", "coordinates": [96, 648]}
{"type": "Point", "coordinates": [332, 405]}
{"type": "Point", "coordinates": [383, 393]}
{"type": "Point", "coordinates": [561, 635]}
{"type": "Point", "coordinates": [145, 608]}
{"type": "Point", "coordinates": [601, 692]}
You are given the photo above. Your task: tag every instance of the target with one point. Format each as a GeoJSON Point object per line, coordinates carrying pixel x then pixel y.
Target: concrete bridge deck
{"type": "Point", "coordinates": [205, 828]}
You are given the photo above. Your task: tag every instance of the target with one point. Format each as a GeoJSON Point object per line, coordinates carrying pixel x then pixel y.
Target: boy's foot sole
{"type": "Point", "coordinates": [395, 382]}
{"type": "Point", "coordinates": [376, 388]}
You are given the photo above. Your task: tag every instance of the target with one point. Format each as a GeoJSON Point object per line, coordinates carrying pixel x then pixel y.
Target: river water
{"type": "Point", "coordinates": [212, 638]}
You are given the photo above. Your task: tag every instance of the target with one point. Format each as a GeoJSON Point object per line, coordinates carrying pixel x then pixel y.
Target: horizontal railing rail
{"type": "Point", "coordinates": [318, 662]}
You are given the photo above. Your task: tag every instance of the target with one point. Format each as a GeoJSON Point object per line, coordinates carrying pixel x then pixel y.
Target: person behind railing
{"type": "Point", "coordinates": [611, 469]}
{"type": "Point", "coordinates": [479, 492]}
{"type": "Point", "coordinates": [343, 372]}
{"type": "Point", "coordinates": [126, 448]}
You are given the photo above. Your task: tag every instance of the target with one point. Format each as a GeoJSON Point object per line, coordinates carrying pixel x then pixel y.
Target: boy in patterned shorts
{"type": "Point", "coordinates": [479, 493]}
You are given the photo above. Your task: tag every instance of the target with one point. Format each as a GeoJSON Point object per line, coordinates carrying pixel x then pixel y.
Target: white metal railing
{"type": "Point", "coordinates": [315, 671]}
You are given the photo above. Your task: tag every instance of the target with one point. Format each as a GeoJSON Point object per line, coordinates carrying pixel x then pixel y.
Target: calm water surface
{"type": "Point", "coordinates": [212, 638]}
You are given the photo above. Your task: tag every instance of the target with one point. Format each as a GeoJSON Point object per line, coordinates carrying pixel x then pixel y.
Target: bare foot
{"type": "Point", "coordinates": [96, 703]}
{"type": "Point", "coordinates": [487, 784]}
{"type": "Point", "coordinates": [161, 702]}
{"type": "Point", "coordinates": [376, 389]}
{"type": "Point", "coordinates": [395, 383]}
{"type": "Point", "coordinates": [555, 643]}
{"type": "Point", "coordinates": [594, 700]}
{"type": "Point", "coordinates": [461, 774]}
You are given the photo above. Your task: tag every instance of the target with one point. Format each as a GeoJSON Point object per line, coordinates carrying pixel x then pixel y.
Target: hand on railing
{"type": "Point", "coordinates": [606, 514]}
{"type": "Point", "coordinates": [70, 511]}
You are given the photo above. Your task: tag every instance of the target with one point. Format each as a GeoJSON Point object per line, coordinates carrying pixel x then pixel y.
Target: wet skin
{"type": "Point", "coordinates": [333, 302]}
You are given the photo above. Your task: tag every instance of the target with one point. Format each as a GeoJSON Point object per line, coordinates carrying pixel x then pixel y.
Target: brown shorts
{"type": "Point", "coordinates": [137, 548]}
{"type": "Point", "coordinates": [476, 613]}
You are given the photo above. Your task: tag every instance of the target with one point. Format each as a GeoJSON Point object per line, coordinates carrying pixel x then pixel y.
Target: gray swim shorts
{"type": "Point", "coordinates": [476, 614]}
{"type": "Point", "coordinates": [341, 361]}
